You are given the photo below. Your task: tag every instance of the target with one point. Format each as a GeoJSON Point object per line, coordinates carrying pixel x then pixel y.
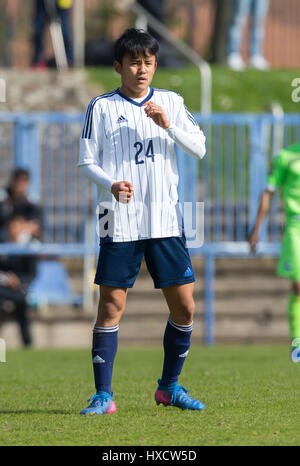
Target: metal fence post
{"type": "Point", "coordinates": [257, 171]}
{"type": "Point", "coordinates": [27, 153]}
{"type": "Point", "coordinates": [209, 299]}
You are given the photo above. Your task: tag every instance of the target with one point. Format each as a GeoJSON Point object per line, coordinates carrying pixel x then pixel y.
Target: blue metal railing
{"type": "Point", "coordinates": [229, 180]}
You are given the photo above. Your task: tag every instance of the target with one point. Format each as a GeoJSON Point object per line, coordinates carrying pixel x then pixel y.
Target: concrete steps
{"type": "Point", "coordinates": [250, 303]}
{"type": "Point", "coordinates": [250, 306]}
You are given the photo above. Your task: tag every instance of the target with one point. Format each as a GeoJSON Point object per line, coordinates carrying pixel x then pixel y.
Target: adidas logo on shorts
{"type": "Point", "coordinates": [188, 272]}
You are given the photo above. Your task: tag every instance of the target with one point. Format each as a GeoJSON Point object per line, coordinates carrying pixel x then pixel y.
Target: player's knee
{"type": "Point", "coordinates": [186, 311]}
{"type": "Point", "coordinates": [111, 309]}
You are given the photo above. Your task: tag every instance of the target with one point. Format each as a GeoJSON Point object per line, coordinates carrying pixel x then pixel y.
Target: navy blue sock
{"type": "Point", "coordinates": [177, 340]}
{"type": "Point", "coordinates": [105, 345]}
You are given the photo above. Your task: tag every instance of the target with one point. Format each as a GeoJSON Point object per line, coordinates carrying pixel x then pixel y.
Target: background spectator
{"type": "Point", "coordinates": [156, 9]}
{"type": "Point", "coordinates": [42, 8]}
{"type": "Point", "coordinates": [14, 200]}
{"type": "Point", "coordinates": [168, 56]}
{"type": "Point", "coordinates": [258, 11]}
{"type": "Point", "coordinates": [16, 274]}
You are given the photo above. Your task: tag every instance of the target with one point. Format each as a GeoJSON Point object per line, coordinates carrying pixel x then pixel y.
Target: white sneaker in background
{"type": "Point", "coordinates": [235, 62]}
{"type": "Point", "coordinates": [258, 62]}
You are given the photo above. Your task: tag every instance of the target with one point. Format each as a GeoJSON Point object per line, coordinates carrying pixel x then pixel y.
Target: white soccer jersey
{"type": "Point", "coordinates": [128, 146]}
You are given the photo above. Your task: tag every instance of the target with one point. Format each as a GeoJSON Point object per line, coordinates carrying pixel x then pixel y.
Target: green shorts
{"type": "Point", "coordinates": [289, 260]}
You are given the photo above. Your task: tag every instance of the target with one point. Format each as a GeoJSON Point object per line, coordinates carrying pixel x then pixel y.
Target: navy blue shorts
{"type": "Point", "coordinates": [167, 260]}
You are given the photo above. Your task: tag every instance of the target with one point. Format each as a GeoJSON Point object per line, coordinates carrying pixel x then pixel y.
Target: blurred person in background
{"type": "Point", "coordinates": [41, 18]}
{"type": "Point", "coordinates": [156, 9]}
{"type": "Point", "coordinates": [16, 274]}
{"type": "Point", "coordinates": [285, 174]}
{"type": "Point", "coordinates": [241, 10]}
{"type": "Point", "coordinates": [9, 14]}
{"type": "Point", "coordinates": [14, 200]}
{"type": "Point", "coordinates": [168, 56]}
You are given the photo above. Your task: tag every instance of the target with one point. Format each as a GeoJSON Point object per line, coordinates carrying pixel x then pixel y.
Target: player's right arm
{"type": "Point", "coordinates": [89, 155]}
{"type": "Point", "coordinates": [263, 209]}
{"type": "Point", "coordinates": [275, 180]}
{"type": "Point", "coordinates": [180, 126]}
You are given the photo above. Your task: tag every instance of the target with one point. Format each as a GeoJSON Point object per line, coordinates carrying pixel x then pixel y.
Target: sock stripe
{"type": "Point", "coordinates": [182, 328]}
{"type": "Point", "coordinates": [105, 329]}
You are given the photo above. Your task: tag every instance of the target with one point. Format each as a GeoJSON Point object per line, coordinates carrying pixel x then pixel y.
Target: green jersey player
{"type": "Point", "coordinates": [285, 174]}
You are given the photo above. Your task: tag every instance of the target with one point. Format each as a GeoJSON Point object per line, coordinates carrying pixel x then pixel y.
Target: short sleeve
{"type": "Point", "coordinates": [278, 171]}
{"type": "Point", "coordinates": [91, 135]}
{"type": "Point", "coordinates": [185, 119]}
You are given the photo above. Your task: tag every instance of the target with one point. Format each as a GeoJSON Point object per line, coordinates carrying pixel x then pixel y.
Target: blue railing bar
{"type": "Point", "coordinates": [42, 117]}
{"type": "Point", "coordinates": [245, 118]}
{"type": "Point", "coordinates": [241, 118]}
{"type": "Point", "coordinates": [214, 118]}
{"type": "Point", "coordinates": [237, 249]}
{"type": "Point", "coordinates": [48, 249]}
{"type": "Point", "coordinates": [234, 249]}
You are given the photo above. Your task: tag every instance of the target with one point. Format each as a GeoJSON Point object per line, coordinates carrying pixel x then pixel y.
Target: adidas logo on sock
{"type": "Point", "coordinates": [184, 355]}
{"type": "Point", "coordinates": [98, 360]}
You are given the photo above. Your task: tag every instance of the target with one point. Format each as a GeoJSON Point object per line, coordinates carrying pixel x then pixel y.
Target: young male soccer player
{"type": "Point", "coordinates": [127, 149]}
{"type": "Point", "coordinates": [285, 174]}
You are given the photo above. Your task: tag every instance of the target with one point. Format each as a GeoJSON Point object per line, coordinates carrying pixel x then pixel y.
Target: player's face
{"type": "Point", "coordinates": [136, 73]}
{"type": "Point", "coordinates": [20, 186]}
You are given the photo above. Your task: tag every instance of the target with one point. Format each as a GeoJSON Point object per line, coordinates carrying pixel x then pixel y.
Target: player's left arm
{"type": "Point", "coordinates": [188, 136]}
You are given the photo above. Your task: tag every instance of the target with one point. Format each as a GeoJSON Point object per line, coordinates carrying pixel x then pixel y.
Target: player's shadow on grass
{"type": "Point", "coordinates": [35, 411]}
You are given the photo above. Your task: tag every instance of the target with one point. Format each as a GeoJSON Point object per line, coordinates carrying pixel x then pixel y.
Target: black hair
{"type": "Point", "coordinates": [19, 173]}
{"type": "Point", "coordinates": [136, 42]}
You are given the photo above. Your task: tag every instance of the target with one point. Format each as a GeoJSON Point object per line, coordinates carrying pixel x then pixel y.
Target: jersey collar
{"type": "Point", "coordinates": [139, 104]}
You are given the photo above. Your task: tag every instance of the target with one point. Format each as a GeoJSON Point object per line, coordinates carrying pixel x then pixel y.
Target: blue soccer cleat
{"type": "Point", "coordinates": [101, 403]}
{"type": "Point", "coordinates": [295, 354]}
{"type": "Point", "coordinates": [176, 396]}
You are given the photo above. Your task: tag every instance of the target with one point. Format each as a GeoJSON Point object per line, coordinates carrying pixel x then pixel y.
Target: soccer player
{"type": "Point", "coordinates": [127, 149]}
{"type": "Point", "coordinates": [285, 174]}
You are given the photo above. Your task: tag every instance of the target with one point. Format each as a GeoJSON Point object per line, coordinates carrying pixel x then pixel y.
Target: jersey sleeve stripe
{"type": "Point", "coordinates": [83, 135]}
{"type": "Point", "coordinates": [87, 129]}
{"type": "Point", "coordinates": [190, 116]}
{"type": "Point", "coordinates": [88, 115]}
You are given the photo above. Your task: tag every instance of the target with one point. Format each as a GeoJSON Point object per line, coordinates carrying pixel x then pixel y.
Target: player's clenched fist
{"type": "Point", "coordinates": [122, 191]}
{"type": "Point", "coordinates": [157, 114]}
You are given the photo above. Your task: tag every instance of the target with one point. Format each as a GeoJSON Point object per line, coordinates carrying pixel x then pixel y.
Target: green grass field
{"type": "Point", "coordinates": [251, 394]}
